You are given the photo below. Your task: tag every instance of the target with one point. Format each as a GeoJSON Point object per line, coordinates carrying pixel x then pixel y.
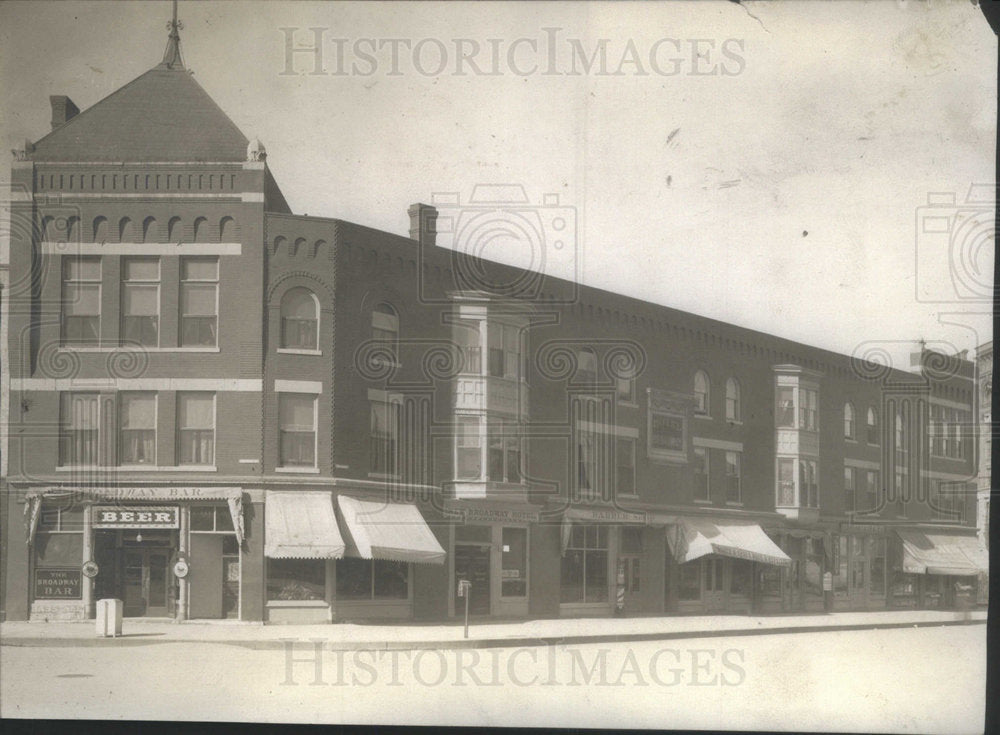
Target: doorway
{"type": "Point", "coordinates": [472, 562]}
{"type": "Point", "coordinates": [146, 583]}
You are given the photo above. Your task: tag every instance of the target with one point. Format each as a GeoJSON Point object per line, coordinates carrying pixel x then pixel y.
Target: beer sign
{"type": "Point", "coordinates": [111, 516]}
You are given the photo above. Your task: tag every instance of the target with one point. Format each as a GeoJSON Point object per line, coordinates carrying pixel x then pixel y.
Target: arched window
{"type": "Point", "coordinates": [734, 411]}
{"type": "Point", "coordinates": [872, 426]}
{"type": "Point", "coordinates": [227, 230]}
{"type": "Point", "coordinates": [201, 230]}
{"type": "Point", "coordinates": [849, 422]}
{"type": "Point", "coordinates": [299, 319]}
{"type": "Point", "coordinates": [150, 230]}
{"type": "Point", "coordinates": [100, 229]}
{"type": "Point", "coordinates": [385, 326]}
{"type": "Point", "coordinates": [586, 366]}
{"type": "Point", "coordinates": [701, 393]}
{"type": "Point", "coordinates": [174, 233]}
{"type": "Point", "coordinates": [126, 230]}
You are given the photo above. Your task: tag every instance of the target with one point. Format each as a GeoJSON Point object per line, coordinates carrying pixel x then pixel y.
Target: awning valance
{"type": "Point", "coordinates": [391, 531]}
{"type": "Point", "coordinates": [942, 553]}
{"type": "Point", "coordinates": [693, 538]}
{"type": "Point", "coordinates": [301, 525]}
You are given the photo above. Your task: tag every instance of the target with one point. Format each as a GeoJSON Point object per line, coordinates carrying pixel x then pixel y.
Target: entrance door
{"type": "Point", "coordinates": [472, 562]}
{"type": "Point", "coordinates": [632, 570]}
{"type": "Point", "coordinates": [714, 578]}
{"type": "Point", "coordinates": [146, 583]}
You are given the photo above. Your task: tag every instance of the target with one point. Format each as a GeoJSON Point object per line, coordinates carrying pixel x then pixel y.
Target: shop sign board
{"type": "Point", "coordinates": [493, 515]}
{"type": "Point", "coordinates": [58, 584]}
{"type": "Point", "coordinates": [110, 516]}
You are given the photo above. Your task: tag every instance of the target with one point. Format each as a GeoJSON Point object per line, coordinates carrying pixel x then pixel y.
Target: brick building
{"type": "Point", "coordinates": [329, 422]}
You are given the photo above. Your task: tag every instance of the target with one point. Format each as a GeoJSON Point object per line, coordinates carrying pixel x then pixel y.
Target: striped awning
{"type": "Point", "coordinates": [693, 538]}
{"type": "Point", "coordinates": [391, 531]}
{"type": "Point", "coordinates": [942, 553]}
{"type": "Point", "coordinates": [301, 525]}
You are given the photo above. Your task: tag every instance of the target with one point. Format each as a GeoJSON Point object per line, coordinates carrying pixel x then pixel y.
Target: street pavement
{"type": "Point", "coordinates": [138, 631]}
{"type": "Point", "coordinates": [927, 679]}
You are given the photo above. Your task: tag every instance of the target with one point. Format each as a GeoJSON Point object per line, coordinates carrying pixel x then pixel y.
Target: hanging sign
{"type": "Point", "coordinates": [90, 569]}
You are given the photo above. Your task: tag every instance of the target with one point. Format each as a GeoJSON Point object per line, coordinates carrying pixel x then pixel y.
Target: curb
{"type": "Point", "coordinates": [278, 644]}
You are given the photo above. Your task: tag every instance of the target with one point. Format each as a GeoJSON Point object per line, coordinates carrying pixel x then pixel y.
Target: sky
{"type": "Point", "coordinates": [767, 164]}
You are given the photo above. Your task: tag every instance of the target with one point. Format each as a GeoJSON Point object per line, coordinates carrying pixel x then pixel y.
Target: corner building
{"type": "Point", "coordinates": [326, 422]}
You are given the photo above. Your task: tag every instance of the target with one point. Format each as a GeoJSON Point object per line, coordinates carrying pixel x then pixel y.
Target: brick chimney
{"type": "Point", "coordinates": [423, 223]}
{"type": "Point", "coordinates": [63, 109]}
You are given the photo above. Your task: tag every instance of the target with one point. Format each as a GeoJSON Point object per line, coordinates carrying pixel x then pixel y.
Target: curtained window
{"type": "Point", "coordinates": [81, 301]}
{"type": "Point", "coordinates": [297, 418]}
{"type": "Point", "coordinates": [79, 429]}
{"type": "Point", "coordinates": [199, 302]}
{"type": "Point", "coordinates": [141, 301]}
{"type": "Point", "coordinates": [299, 320]}
{"type": "Point", "coordinates": [137, 428]}
{"type": "Point", "coordinates": [196, 428]}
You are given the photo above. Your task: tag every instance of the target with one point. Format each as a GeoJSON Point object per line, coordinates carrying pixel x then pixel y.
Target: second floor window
{"type": "Point", "coordinates": [808, 486]}
{"type": "Point", "coordinates": [81, 301]}
{"type": "Point", "coordinates": [137, 428]}
{"type": "Point", "coordinates": [79, 426]}
{"type": "Point", "coordinates": [625, 466]}
{"type": "Point", "coordinates": [504, 454]}
{"type": "Point", "coordinates": [141, 301]}
{"type": "Point", "coordinates": [586, 367]}
{"type": "Point", "coordinates": [871, 489]}
{"type": "Point", "coordinates": [299, 320]}
{"type": "Point", "coordinates": [734, 489]}
{"type": "Point", "coordinates": [734, 409]}
{"type": "Point", "coordinates": [900, 433]}
{"type": "Point", "coordinates": [384, 447]}
{"type": "Point", "coordinates": [468, 448]}
{"type": "Point", "coordinates": [196, 428]}
{"type": "Point", "coordinates": [701, 474]}
{"type": "Point", "coordinates": [199, 302]}
{"type": "Point", "coordinates": [385, 328]}
{"type": "Point", "coordinates": [504, 353]}
{"type": "Point", "coordinates": [850, 488]}
{"type": "Point", "coordinates": [785, 410]}
{"type": "Point", "coordinates": [786, 482]}
{"type": "Point", "coordinates": [297, 419]}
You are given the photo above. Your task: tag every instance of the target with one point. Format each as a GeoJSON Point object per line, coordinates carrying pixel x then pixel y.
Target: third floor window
{"type": "Point", "coordinates": [199, 302]}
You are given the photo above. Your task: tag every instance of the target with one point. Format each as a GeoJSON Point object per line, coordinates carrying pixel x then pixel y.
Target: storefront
{"type": "Point", "coordinates": [490, 550]}
{"type": "Point", "coordinates": [721, 567]}
{"type": "Point", "coordinates": [351, 561]}
{"type": "Point", "coordinates": [860, 568]}
{"type": "Point", "coordinates": [937, 568]}
{"type": "Point", "coordinates": [166, 552]}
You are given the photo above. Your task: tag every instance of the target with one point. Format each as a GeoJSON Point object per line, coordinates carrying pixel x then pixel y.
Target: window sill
{"type": "Point", "coordinates": [849, 440]}
{"type": "Point", "coordinates": [701, 501]}
{"type": "Point", "coordinates": [734, 503]}
{"type": "Point", "coordinates": [298, 470]}
{"type": "Point", "coordinates": [386, 476]}
{"type": "Point", "coordinates": [734, 422]}
{"type": "Point", "coordinates": [702, 416]}
{"type": "Point", "coordinates": [297, 603]}
{"type": "Point", "coordinates": [290, 351]}
{"type": "Point", "coordinates": [135, 348]}
{"type": "Point", "coordinates": [627, 404]}
{"type": "Point", "coordinates": [136, 468]}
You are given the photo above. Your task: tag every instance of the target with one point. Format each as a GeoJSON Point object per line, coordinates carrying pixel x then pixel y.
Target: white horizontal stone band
{"type": "Point", "coordinates": [185, 384]}
{"type": "Point", "coordinates": [700, 441]}
{"type": "Point", "coordinates": [142, 248]}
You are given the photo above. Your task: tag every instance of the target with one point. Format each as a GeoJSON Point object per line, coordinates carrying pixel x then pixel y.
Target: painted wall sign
{"type": "Point", "coordinates": [58, 584]}
{"type": "Point", "coordinates": [110, 516]}
{"type": "Point", "coordinates": [606, 515]}
{"type": "Point", "coordinates": [491, 515]}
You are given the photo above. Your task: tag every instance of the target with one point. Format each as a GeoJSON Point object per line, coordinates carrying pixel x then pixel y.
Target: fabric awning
{"type": "Point", "coordinates": [391, 531]}
{"type": "Point", "coordinates": [942, 553]}
{"type": "Point", "coordinates": [301, 525]}
{"type": "Point", "coordinates": [693, 538]}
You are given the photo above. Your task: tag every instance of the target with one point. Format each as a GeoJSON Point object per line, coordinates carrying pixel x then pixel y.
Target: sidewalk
{"type": "Point", "coordinates": [353, 636]}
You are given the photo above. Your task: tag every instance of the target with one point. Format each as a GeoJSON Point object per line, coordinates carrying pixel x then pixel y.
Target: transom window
{"type": "Point", "coordinates": [299, 320]}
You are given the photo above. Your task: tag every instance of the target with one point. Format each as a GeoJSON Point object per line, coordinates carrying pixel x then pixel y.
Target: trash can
{"type": "Point", "coordinates": [109, 618]}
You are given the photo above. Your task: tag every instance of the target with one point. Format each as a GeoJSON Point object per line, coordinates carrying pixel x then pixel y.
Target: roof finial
{"type": "Point", "coordinates": [172, 54]}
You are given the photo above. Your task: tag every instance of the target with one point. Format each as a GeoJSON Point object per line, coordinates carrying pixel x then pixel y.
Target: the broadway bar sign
{"type": "Point", "coordinates": [109, 516]}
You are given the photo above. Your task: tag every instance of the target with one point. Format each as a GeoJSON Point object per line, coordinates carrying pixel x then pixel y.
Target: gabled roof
{"type": "Point", "coordinates": [162, 115]}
